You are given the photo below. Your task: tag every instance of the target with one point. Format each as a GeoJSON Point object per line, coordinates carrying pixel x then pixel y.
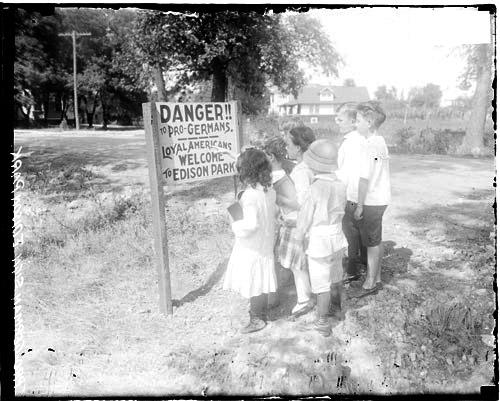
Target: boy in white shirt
{"type": "Point", "coordinates": [349, 163]}
{"type": "Point", "coordinates": [374, 192]}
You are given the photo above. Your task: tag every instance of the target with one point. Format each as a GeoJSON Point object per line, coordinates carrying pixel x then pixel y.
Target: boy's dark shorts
{"type": "Point", "coordinates": [370, 226]}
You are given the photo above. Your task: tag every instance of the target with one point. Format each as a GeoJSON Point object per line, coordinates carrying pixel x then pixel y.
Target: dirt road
{"type": "Point", "coordinates": [437, 272]}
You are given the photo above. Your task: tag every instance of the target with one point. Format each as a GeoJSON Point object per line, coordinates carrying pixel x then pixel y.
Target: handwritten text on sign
{"type": "Point", "coordinates": [192, 136]}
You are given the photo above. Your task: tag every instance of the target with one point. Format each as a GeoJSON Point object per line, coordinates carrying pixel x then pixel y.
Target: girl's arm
{"type": "Point", "coordinates": [287, 202]}
{"type": "Point", "coordinates": [249, 223]}
{"type": "Point", "coordinates": [302, 181]}
{"type": "Point", "coordinates": [305, 217]}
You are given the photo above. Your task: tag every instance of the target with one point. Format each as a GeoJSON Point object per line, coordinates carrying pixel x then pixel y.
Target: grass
{"type": "Point", "coordinates": [92, 275]}
{"type": "Point", "coordinates": [90, 293]}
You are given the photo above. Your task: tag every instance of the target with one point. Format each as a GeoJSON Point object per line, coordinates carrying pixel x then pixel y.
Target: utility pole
{"type": "Point", "coordinates": [74, 34]}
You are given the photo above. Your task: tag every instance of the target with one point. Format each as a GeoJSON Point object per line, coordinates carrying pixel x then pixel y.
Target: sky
{"type": "Point", "coordinates": [402, 47]}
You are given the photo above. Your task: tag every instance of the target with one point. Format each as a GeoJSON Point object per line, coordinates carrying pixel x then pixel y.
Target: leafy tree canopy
{"type": "Point", "coordinates": [349, 82]}
{"type": "Point", "coordinates": [429, 96]}
{"type": "Point", "coordinates": [246, 50]}
{"type": "Point", "coordinates": [384, 94]}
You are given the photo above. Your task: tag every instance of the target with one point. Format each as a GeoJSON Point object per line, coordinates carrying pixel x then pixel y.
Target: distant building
{"type": "Point", "coordinates": [316, 102]}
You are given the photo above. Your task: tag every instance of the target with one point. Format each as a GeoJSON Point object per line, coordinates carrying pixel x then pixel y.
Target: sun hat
{"type": "Point", "coordinates": [321, 156]}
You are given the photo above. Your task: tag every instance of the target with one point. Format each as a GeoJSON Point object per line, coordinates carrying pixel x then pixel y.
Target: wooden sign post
{"type": "Point", "coordinates": [185, 142]}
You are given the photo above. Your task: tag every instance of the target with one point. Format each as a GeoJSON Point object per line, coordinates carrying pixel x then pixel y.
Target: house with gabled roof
{"type": "Point", "coordinates": [316, 102]}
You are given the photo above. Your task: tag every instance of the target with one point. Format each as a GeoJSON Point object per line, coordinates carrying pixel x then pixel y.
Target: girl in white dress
{"type": "Point", "coordinates": [250, 269]}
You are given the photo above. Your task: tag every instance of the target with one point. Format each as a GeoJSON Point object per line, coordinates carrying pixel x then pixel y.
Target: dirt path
{"type": "Point", "coordinates": [437, 239]}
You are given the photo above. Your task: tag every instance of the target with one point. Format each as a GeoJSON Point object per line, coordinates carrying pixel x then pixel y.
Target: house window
{"type": "Point", "coordinates": [326, 96]}
{"type": "Point", "coordinates": [316, 109]}
{"type": "Point", "coordinates": [290, 110]}
{"type": "Point", "coordinates": [314, 120]}
{"type": "Point", "coordinates": [311, 109]}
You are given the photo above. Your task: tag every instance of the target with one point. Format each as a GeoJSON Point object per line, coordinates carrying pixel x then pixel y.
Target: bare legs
{"type": "Point", "coordinates": [374, 254]}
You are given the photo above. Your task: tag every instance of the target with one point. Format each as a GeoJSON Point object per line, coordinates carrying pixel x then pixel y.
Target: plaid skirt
{"type": "Point", "coordinates": [291, 253]}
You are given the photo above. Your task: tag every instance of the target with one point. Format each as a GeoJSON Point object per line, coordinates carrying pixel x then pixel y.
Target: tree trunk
{"type": "Point", "coordinates": [46, 109]}
{"type": "Point", "coordinates": [219, 81]}
{"type": "Point", "coordinates": [473, 142]}
{"type": "Point", "coordinates": [104, 112]}
{"type": "Point", "coordinates": [91, 114]}
{"type": "Point", "coordinates": [160, 84]}
{"type": "Point", "coordinates": [90, 119]}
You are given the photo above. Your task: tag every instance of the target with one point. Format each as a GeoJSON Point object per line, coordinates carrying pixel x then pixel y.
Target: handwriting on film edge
{"type": "Point", "coordinates": [18, 277]}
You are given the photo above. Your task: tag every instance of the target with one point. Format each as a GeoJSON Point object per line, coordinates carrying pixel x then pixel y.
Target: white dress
{"type": "Point", "coordinates": [250, 270]}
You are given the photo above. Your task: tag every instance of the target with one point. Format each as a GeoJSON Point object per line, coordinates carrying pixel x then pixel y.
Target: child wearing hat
{"type": "Point", "coordinates": [320, 219]}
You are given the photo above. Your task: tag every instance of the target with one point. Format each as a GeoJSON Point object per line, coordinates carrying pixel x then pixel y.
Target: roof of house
{"type": "Point", "coordinates": [310, 95]}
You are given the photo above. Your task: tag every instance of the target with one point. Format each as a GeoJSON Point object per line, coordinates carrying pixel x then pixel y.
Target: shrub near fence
{"type": "Point", "coordinates": [256, 129]}
{"type": "Point", "coordinates": [427, 141]}
{"type": "Point", "coordinates": [432, 136]}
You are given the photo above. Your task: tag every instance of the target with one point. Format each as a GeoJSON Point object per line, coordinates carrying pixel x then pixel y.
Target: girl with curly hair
{"type": "Point", "coordinates": [286, 199]}
{"type": "Point", "coordinates": [291, 253]}
{"type": "Point", "coordinates": [250, 269]}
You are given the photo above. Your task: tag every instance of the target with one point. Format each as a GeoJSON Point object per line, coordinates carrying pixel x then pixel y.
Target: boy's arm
{"type": "Point", "coordinates": [366, 168]}
{"type": "Point", "coordinates": [362, 191]}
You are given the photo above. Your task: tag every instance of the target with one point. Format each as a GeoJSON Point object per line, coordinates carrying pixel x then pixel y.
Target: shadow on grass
{"type": "Point", "coordinates": [85, 152]}
{"type": "Point", "coordinates": [193, 295]}
{"type": "Point", "coordinates": [459, 224]}
{"type": "Point", "coordinates": [466, 229]}
{"type": "Point", "coordinates": [395, 261]}
{"type": "Point", "coordinates": [205, 189]}
{"type": "Point", "coordinates": [421, 164]}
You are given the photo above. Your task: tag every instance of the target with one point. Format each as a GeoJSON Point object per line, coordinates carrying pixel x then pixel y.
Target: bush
{"type": "Point", "coordinates": [71, 178]}
{"type": "Point", "coordinates": [257, 128]}
{"type": "Point", "coordinates": [427, 141]}
{"type": "Point", "coordinates": [56, 228]}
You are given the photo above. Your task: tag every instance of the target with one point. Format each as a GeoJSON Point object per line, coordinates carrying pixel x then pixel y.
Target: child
{"type": "Point", "coordinates": [349, 161]}
{"type": "Point", "coordinates": [320, 218]}
{"type": "Point", "coordinates": [374, 191]}
{"type": "Point", "coordinates": [286, 196]}
{"type": "Point", "coordinates": [291, 253]}
{"type": "Point", "coordinates": [250, 269]}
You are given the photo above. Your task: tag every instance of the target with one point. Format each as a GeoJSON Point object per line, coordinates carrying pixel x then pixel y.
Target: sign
{"type": "Point", "coordinates": [197, 140]}
{"type": "Point", "coordinates": [185, 142]}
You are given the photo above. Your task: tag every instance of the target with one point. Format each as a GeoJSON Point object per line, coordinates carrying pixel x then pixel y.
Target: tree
{"type": "Point", "coordinates": [427, 97]}
{"type": "Point", "coordinates": [478, 70]}
{"type": "Point", "coordinates": [432, 95]}
{"type": "Point", "coordinates": [44, 63]}
{"type": "Point", "coordinates": [384, 95]}
{"type": "Point", "coordinates": [349, 82]}
{"type": "Point", "coordinates": [244, 50]}
{"type": "Point", "coordinates": [38, 69]}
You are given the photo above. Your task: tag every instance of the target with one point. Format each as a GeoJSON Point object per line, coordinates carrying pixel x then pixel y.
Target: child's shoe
{"type": "Point", "coordinates": [255, 324]}
{"type": "Point", "coordinates": [335, 307]}
{"type": "Point", "coordinates": [322, 326]}
{"type": "Point", "coordinates": [273, 300]}
{"type": "Point", "coordinates": [302, 308]}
